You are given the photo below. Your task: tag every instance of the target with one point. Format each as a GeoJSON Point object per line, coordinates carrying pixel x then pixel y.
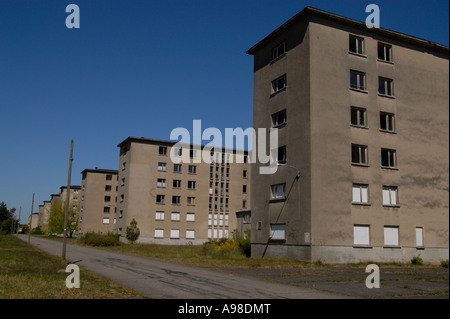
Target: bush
{"type": "Point", "coordinates": [444, 263]}
{"type": "Point", "coordinates": [417, 260]}
{"type": "Point", "coordinates": [100, 240]}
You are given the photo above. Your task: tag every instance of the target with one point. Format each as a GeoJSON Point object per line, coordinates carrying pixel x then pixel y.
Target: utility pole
{"type": "Point", "coordinates": [66, 213]}
{"type": "Point", "coordinates": [31, 217]}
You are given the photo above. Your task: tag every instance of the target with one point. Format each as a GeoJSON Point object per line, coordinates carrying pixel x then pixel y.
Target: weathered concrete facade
{"type": "Point", "coordinates": [190, 203]}
{"type": "Point", "coordinates": [98, 201]}
{"type": "Point", "coordinates": [338, 210]}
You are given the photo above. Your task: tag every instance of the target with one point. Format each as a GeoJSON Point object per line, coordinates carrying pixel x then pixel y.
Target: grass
{"type": "Point", "coordinates": [29, 273]}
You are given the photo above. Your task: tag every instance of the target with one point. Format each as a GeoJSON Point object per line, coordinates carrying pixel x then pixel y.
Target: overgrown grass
{"type": "Point", "coordinates": [29, 273]}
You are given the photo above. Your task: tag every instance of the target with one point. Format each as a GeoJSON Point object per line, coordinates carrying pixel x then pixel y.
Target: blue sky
{"type": "Point", "coordinates": [139, 68]}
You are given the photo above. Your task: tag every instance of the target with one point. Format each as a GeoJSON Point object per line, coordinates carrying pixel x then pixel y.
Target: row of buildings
{"type": "Point", "coordinates": [362, 114]}
{"type": "Point", "coordinates": [173, 203]}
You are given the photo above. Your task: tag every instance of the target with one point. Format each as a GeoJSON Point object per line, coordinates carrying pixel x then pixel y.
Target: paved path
{"type": "Point", "coordinates": [156, 279]}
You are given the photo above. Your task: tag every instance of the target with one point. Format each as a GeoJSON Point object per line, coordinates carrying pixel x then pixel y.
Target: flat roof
{"type": "Point", "coordinates": [165, 143]}
{"type": "Point", "coordinates": [100, 171]}
{"type": "Point", "coordinates": [309, 11]}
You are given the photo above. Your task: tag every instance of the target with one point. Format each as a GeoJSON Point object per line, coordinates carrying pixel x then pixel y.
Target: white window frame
{"type": "Point", "coordinates": [190, 234]}
{"type": "Point", "coordinates": [190, 217]}
{"type": "Point", "coordinates": [159, 215]}
{"type": "Point", "coordinates": [419, 237]}
{"type": "Point", "coordinates": [360, 194]}
{"type": "Point", "coordinates": [278, 191]}
{"type": "Point", "coordinates": [391, 236]}
{"type": "Point", "coordinates": [175, 216]}
{"type": "Point", "coordinates": [390, 196]}
{"type": "Point", "coordinates": [359, 44]}
{"type": "Point", "coordinates": [360, 80]}
{"type": "Point", "coordinates": [278, 231]}
{"type": "Point", "coordinates": [361, 235]}
{"type": "Point", "coordinates": [159, 233]}
{"type": "Point", "coordinates": [174, 233]}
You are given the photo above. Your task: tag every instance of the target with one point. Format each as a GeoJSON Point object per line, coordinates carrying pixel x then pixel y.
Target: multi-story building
{"type": "Point", "coordinates": [58, 199]}
{"type": "Point", "coordinates": [363, 115]}
{"type": "Point", "coordinates": [177, 203]}
{"type": "Point", "coordinates": [98, 201]}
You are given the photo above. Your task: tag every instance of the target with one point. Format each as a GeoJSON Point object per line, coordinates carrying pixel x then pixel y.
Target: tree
{"type": "Point", "coordinates": [7, 221]}
{"type": "Point", "coordinates": [56, 219]}
{"type": "Point", "coordinates": [133, 231]}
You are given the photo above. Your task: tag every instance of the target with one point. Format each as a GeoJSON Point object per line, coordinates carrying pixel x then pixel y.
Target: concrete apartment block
{"type": "Point", "coordinates": [98, 201]}
{"type": "Point", "coordinates": [364, 115]}
{"type": "Point", "coordinates": [179, 203]}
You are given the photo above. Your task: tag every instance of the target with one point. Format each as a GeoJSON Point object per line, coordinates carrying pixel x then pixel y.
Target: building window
{"type": "Point", "coordinates": [356, 44]}
{"type": "Point", "coordinates": [107, 188]}
{"type": "Point", "coordinates": [358, 116]}
{"type": "Point", "coordinates": [279, 51]}
{"type": "Point", "coordinates": [357, 80]}
{"type": "Point", "coordinates": [105, 220]}
{"type": "Point", "coordinates": [107, 199]}
{"type": "Point", "coordinates": [176, 183]}
{"type": "Point", "coordinates": [279, 118]}
{"type": "Point", "coordinates": [278, 191]}
{"type": "Point", "coordinates": [191, 201]}
{"type": "Point", "coordinates": [174, 233]}
{"type": "Point", "coordinates": [190, 217]}
{"type": "Point", "coordinates": [161, 182]}
{"type": "Point", "coordinates": [122, 198]}
{"type": "Point", "coordinates": [244, 174]}
{"type": "Point", "coordinates": [384, 52]}
{"type": "Point", "coordinates": [360, 194]}
{"type": "Point", "coordinates": [175, 216]}
{"type": "Point", "coordinates": [159, 233]}
{"type": "Point", "coordinates": [244, 203]}
{"type": "Point", "coordinates": [391, 236]}
{"type": "Point", "coordinates": [190, 234]}
{"type": "Point", "coordinates": [359, 154]}
{"type": "Point", "coordinates": [419, 237]}
{"type": "Point", "coordinates": [210, 203]}
{"type": "Point", "coordinates": [282, 156]}
{"type": "Point", "coordinates": [162, 167]}
{"type": "Point", "coordinates": [177, 168]}
{"type": "Point", "coordinates": [109, 177]}
{"type": "Point", "coordinates": [278, 232]}
{"type": "Point", "coordinates": [162, 150]}
{"type": "Point", "coordinates": [160, 199]}
{"type": "Point", "coordinates": [387, 122]}
{"type": "Point", "coordinates": [361, 235]}
{"type": "Point", "coordinates": [244, 189]}
{"type": "Point", "coordinates": [191, 184]}
{"type": "Point", "coordinates": [385, 86]}
{"type": "Point", "coordinates": [159, 216]}
{"type": "Point", "coordinates": [192, 169]}
{"type": "Point", "coordinates": [106, 209]}
{"type": "Point", "coordinates": [388, 158]}
{"type": "Point", "coordinates": [124, 165]}
{"type": "Point", "coordinates": [176, 200]}
{"type": "Point", "coordinates": [390, 196]}
{"type": "Point", "coordinates": [279, 84]}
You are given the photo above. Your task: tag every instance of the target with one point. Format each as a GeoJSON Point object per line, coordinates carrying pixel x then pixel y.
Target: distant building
{"type": "Point", "coordinates": [98, 201]}
{"type": "Point", "coordinates": [179, 203]}
{"type": "Point", "coordinates": [364, 115]}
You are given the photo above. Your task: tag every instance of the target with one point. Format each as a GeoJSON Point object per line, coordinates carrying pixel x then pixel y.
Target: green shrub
{"type": "Point", "coordinates": [100, 240]}
{"type": "Point", "coordinates": [444, 263]}
{"type": "Point", "coordinates": [417, 260]}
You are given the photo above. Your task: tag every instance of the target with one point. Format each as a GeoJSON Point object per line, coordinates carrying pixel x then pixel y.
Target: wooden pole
{"type": "Point", "coordinates": [66, 213]}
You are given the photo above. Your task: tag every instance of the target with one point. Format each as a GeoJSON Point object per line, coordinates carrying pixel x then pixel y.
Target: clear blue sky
{"type": "Point", "coordinates": [139, 68]}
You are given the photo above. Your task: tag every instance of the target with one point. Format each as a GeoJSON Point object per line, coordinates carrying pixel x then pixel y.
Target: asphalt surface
{"type": "Point", "coordinates": [156, 279]}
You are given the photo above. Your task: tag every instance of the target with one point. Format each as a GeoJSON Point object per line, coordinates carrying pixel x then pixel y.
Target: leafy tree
{"type": "Point", "coordinates": [56, 218]}
{"type": "Point", "coordinates": [7, 220]}
{"type": "Point", "coordinates": [133, 231]}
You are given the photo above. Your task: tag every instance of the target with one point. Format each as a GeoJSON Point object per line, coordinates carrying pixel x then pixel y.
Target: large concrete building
{"type": "Point", "coordinates": [98, 201]}
{"type": "Point", "coordinates": [364, 115]}
{"type": "Point", "coordinates": [179, 203]}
